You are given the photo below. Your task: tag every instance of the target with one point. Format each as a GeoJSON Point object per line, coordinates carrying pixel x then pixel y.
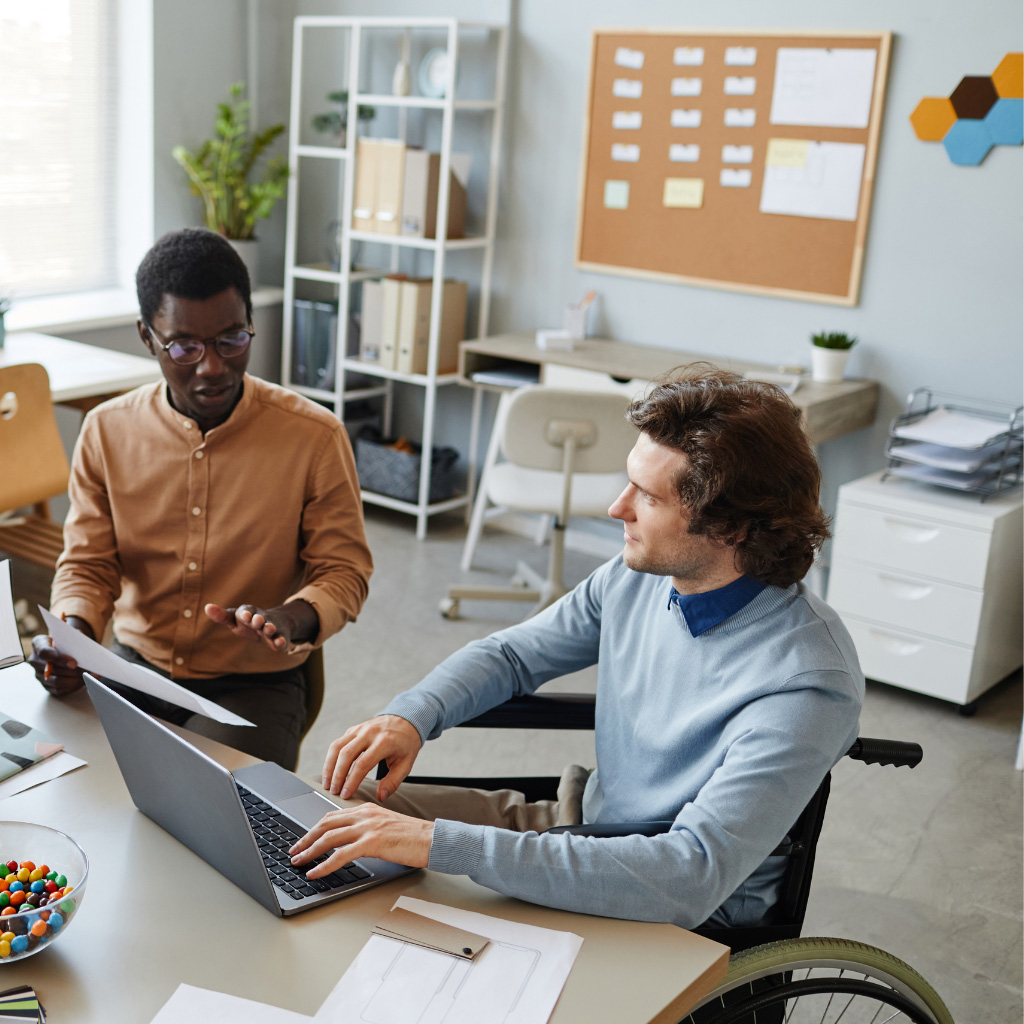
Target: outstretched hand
{"type": "Point", "coordinates": [278, 628]}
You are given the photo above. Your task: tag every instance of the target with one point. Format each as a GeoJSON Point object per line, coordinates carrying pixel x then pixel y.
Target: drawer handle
{"type": "Point", "coordinates": [912, 532]}
{"type": "Point", "coordinates": [904, 589]}
{"type": "Point", "coordinates": [895, 645]}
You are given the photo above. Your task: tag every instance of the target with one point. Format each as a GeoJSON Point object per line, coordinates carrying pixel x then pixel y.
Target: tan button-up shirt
{"type": "Point", "coordinates": [262, 509]}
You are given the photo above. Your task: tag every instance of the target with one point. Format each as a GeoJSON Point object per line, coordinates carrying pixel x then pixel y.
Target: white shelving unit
{"type": "Point", "coordinates": [358, 31]}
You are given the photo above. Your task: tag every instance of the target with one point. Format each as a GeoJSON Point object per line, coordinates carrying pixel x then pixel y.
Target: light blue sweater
{"type": "Point", "coordinates": [728, 733]}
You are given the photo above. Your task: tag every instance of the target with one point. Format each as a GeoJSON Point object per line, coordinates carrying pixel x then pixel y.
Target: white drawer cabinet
{"type": "Point", "coordinates": [929, 584]}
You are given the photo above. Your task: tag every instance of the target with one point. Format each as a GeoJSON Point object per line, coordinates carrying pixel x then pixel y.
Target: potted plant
{"type": "Point", "coordinates": [336, 121]}
{"type": "Point", "coordinates": [224, 173]}
{"type": "Point", "coordinates": [829, 352]}
{"type": "Point", "coordinates": [5, 305]}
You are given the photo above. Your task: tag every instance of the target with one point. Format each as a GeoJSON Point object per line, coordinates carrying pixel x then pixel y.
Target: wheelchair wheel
{"type": "Point", "coordinates": [817, 980]}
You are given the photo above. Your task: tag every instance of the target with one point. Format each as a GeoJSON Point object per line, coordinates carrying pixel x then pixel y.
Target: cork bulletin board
{"type": "Point", "coordinates": [732, 159]}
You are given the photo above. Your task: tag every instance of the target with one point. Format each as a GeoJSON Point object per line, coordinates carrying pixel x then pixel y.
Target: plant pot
{"type": "Point", "coordinates": [828, 364]}
{"type": "Point", "coordinates": [249, 250]}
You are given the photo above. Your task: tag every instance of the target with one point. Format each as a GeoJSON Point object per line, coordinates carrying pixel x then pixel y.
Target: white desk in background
{"type": "Point", "coordinates": [81, 376]}
{"type": "Point", "coordinates": [154, 914]}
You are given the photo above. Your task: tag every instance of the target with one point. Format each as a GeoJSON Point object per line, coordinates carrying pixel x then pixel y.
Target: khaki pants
{"type": "Point", "coordinates": [502, 808]}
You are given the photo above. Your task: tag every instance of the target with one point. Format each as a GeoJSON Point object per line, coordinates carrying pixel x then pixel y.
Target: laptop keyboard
{"type": "Point", "coordinates": [274, 835]}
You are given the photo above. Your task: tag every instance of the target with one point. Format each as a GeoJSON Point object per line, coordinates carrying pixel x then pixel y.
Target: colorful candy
{"type": "Point", "coordinates": [25, 890]}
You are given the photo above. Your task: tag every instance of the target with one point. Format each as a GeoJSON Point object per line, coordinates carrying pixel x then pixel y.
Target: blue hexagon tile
{"type": "Point", "coordinates": [967, 142]}
{"type": "Point", "coordinates": [1005, 123]}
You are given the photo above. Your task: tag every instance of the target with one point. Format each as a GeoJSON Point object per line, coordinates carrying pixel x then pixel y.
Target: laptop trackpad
{"type": "Point", "coordinates": [307, 809]}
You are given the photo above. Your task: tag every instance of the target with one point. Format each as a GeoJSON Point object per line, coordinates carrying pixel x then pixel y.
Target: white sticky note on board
{"type": "Point", "coordinates": [627, 58]}
{"type": "Point", "coordinates": [740, 117]}
{"type": "Point", "coordinates": [680, 154]}
{"type": "Point", "coordinates": [828, 186]}
{"type": "Point", "coordinates": [737, 86]}
{"type": "Point", "coordinates": [688, 56]}
{"type": "Point", "coordinates": [627, 119]}
{"type": "Point", "coordinates": [685, 118]}
{"type": "Point", "coordinates": [737, 154]}
{"type": "Point", "coordinates": [627, 152]}
{"type": "Point", "coordinates": [686, 86]}
{"type": "Point", "coordinates": [683, 193]}
{"type": "Point", "coordinates": [627, 88]}
{"type": "Point", "coordinates": [616, 195]}
{"type": "Point", "coordinates": [741, 56]}
{"type": "Point", "coordinates": [735, 177]}
{"type": "Point", "coordinates": [828, 87]}
{"type": "Point", "coordinates": [787, 152]}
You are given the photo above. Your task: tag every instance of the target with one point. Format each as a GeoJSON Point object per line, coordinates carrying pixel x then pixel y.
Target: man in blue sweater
{"type": "Point", "coordinates": [726, 691]}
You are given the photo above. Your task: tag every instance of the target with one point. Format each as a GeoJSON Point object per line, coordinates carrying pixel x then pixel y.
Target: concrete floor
{"type": "Point", "coordinates": [924, 863]}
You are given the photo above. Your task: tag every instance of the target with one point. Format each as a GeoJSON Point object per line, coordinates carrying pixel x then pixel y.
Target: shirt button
{"type": "Point", "coordinates": [188, 424]}
{"type": "Point", "coordinates": [199, 455]}
{"type": "Point", "coordinates": [179, 661]}
{"type": "Point", "coordinates": [197, 511]}
{"type": "Point", "coordinates": [192, 566]}
{"type": "Point", "coordinates": [187, 613]}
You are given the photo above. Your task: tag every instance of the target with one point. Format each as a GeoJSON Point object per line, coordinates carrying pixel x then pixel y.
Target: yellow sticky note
{"type": "Point", "coordinates": [787, 152]}
{"type": "Point", "coordinates": [687, 193]}
{"type": "Point", "coordinates": [616, 195]}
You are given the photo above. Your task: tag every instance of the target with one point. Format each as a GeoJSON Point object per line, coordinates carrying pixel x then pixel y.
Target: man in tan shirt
{"type": "Point", "coordinates": [214, 516]}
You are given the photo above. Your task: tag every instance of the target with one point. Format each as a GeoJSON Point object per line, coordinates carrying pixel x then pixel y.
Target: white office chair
{"type": "Point", "coordinates": [566, 456]}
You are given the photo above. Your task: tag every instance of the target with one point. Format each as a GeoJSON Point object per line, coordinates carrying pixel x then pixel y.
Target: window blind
{"type": "Point", "coordinates": [58, 146]}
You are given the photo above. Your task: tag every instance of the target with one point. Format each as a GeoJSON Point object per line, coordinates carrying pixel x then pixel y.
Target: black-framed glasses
{"type": "Point", "coordinates": [186, 351]}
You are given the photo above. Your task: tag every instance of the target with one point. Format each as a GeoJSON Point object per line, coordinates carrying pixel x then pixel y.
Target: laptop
{"type": "Point", "coordinates": [241, 822]}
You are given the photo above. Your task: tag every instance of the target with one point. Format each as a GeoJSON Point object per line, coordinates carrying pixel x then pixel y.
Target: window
{"type": "Point", "coordinates": [59, 152]}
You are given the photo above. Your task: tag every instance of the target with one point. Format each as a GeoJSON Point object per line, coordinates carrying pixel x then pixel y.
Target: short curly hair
{"type": "Point", "coordinates": [190, 264]}
{"type": "Point", "coordinates": [752, 481]}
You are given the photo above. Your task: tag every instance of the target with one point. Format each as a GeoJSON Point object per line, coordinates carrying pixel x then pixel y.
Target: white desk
{"type": "Point", "coordinates": [80, 375]}
{"type": "Point", "coordinates": [154, 914]}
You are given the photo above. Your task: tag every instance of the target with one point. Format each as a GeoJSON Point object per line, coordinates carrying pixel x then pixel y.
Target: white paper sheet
{"type": "Point", "coordinates": [952, 428]}
{"type": "Point", "coordinates": [960, 460]}
{"type": "Point", "coordinates": [737, 86]}
{"type": "Point", "coordinates": [627, 58]}
{"type": "Point", "coordinates": [628, 152]}
{"type": "Point", "coordinates": [740, 117]}
{"type": "Point", "coordinates": [516, 979]}
{"type": "Point", "coordinates": [823, 87]}
{"type": "Point", "coordinates": [827, 185]}
{"type": "Point", "coordinates": [735, 177]}
{"type": "Point", "coordinates": [42, 771]}
{"type": "Point", "coordinates": [684, 118]}
{"type": "Point", "coordinates": [627, 88]}
{"type": "Point", "coordinates": [96, 659]}
{"type": "Point", "coordinates": [11, 652]}
{"type": "Point", "coordinates": [680, 154]}
{"type": "Point", "coordinates": [688, 56]}
{"type": "Point", "coordinates": [686, 86]}
{"type": "Point", "coordinates": [741, 56]}
{"type": "Point", "coordinates": [737, 154]}
{"type": "Point", "coordinates": [191, 1005]}
{"type": "Point", "coordinates": [627, 119]}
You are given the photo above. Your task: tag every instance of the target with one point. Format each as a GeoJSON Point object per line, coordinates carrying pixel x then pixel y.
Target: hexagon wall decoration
{"type": "Point", "coordinates": [981, 112]}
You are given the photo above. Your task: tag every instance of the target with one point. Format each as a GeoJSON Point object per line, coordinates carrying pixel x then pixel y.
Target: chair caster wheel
{"type": "Point", "coordinates": [967, 710]}
{"type": "Point", "coordinates": [449, 607]}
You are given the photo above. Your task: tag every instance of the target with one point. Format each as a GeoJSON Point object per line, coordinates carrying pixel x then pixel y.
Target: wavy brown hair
{"type": "Point", "coordinates": [753, 481]}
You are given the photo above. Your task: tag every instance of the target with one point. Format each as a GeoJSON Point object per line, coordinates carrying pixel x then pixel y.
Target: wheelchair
{"type": "Point", "coordinates": [774, 974]}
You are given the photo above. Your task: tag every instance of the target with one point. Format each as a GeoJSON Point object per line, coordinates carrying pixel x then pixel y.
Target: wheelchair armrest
{"type": "Point", "coordinates": [891, 752]}
{"type": "Point", "coordinates": [550, 711]}
{"type": "Point", "coordinates": [612, 829]}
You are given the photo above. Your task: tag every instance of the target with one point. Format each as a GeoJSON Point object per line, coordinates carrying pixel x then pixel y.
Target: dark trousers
{"type": "Point", "coordinates": [275, 702]}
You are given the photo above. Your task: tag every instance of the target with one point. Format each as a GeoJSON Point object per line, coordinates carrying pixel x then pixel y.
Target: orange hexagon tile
{"type": "Point", "coordinates": [932, 118]}
{"type": "Point", "coordinates": [1008, 78]}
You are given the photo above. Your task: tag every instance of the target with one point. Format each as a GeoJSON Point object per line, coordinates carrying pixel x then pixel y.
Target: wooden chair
{"type": "Point", "coordinates": [34, 468]}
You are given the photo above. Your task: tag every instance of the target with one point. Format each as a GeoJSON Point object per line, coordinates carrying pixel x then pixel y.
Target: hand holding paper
{"type": "Point", "coordinates": [94, 658]}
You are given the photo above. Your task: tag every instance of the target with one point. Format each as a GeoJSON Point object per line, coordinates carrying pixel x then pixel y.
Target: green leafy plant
{"type": "Point", "coordinates": [335, 121]}
{"type": "Point", "coordinates": [834, 339]}
{"type": "Point", "coordinates": [5, 304]}
{"type": "Point", "coordinates": [220, 170]}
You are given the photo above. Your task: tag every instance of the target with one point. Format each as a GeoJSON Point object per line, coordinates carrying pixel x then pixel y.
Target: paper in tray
{"type": "Point", "coordinates": [960, 460]}
{"type": "Point", "coordinates": [945, 477]}
{"type": "Point", "coordinates": [952, 429]}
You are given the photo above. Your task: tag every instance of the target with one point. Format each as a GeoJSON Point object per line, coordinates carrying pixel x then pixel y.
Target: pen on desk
{"type": "Point", "coordinates": [48, 671]}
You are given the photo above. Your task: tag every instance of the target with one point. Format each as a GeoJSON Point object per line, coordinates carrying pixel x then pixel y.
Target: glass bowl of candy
{"type": "Point", "coordinates": [42, 881]}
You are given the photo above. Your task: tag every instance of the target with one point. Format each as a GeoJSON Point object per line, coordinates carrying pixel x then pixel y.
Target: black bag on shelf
{"type": "Point", "coordinates": [386, 470]}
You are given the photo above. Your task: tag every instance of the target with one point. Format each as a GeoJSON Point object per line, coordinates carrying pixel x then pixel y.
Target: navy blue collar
{"type": "Point", "coordinates": [703, 611]}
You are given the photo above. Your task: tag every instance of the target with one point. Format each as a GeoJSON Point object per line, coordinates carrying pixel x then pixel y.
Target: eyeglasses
{"type": "Point", "coordinates": [186, 351]}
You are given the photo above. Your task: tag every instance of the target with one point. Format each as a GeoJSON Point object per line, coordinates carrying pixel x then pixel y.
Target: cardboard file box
{"type": "Point", "coordinates": [364, 193]}
{"type": "Point", "coordinates": [420, 196]}
{"type": "Point", "coordinates": [390, 173]}
{"type": "Point", "coordinates": [370, 324]}
{"type": "Point", "coordinates": [391, 297]}
{"type": "Point", "coordinates": [413, 339]}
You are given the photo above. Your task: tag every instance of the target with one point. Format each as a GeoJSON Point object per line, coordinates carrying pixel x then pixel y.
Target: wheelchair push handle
{"type": "Point", "coordinates": [891, 752]}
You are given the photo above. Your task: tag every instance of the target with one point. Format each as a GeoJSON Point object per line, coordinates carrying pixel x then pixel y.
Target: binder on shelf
{"type": "Point", "coordinates": [391, 299]}
{"type": "Point", "coordinates": [420, 195]}
{"type": "Point", "coordinates": [414, 325]}
{"type": "Point", "coordinates": [390, 172]}
{"type": "Point", "coordinates": [302, 333]}
{"type": "Point", "coordinates": [370, 325]}
{"type": "Point", "coordinates": [364, 193]}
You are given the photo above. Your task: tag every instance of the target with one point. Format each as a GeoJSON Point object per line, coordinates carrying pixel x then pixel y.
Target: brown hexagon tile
{"type": "Point", "coordinates": [1008, 78]}
{"type": "Point", "coordinates": [974, 97]}
{"type": "Point", "coordinates": [932, 118]}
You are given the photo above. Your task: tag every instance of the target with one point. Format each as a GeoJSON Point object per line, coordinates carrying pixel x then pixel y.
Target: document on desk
{"type": "Point", "coordinates": [190, 1004]}
{"type": "Point", "coordinates": [95, 658]}
{"type": "Point", "coordinates": [515, 979]}
{"type": "Point", "coordinates": [51, 768]}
